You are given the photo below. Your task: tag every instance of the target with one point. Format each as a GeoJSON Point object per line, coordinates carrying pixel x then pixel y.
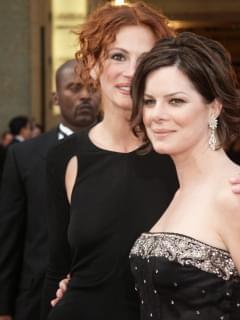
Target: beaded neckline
{"type": "Point", "coordinates": [155, 234]}
{"type": "Point", "coordinates": [186, 251]}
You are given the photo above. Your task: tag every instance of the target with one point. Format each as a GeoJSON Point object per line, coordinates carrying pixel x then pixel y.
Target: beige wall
{"type": "Point", "coordinates": [26, 47]}
{"type": "Point", "coordinates": [24, 54]}
{"type": "Point", "coordinates": [41, 64]}
{"type": "Point", "coordinates": [15, 80]}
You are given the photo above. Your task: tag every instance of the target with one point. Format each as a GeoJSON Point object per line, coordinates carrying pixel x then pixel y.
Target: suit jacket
{"type": "Point", "coordinates": [14, 141]}
{"type": "Point", "coordinates": [23, 227]}
{"type": "Point", "coordinates": [2, 159]}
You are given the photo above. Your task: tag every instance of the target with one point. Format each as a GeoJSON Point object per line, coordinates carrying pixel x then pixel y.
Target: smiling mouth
{"type": "Point", "coordinates": [162, 133]}
{"type": "Point", "coordinates": [124, 89]}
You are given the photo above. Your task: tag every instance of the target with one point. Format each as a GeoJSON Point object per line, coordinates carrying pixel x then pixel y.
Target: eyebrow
{"type": "Point", "coordinates": [148, 95]}
{"type": "Point", "coordinates": [119, 49]}
{"type": "Point", "coordinates": [167, 95]}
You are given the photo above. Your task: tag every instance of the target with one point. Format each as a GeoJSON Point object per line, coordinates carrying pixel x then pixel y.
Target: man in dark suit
{"type": "Point", "coordinates": [23, 227]}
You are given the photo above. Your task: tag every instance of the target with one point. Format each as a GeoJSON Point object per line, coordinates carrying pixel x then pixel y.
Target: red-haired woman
{"type": "Point", "coordinates": [103, 194]}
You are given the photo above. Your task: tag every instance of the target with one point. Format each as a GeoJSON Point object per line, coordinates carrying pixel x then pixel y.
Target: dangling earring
{"type": "Point", "coordinates": [213, 123]}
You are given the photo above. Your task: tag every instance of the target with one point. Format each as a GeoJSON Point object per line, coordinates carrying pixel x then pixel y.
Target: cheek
{"type": "Point", "coordinates": [109, 71]}
{"type": "Point", "coordinates": [67, 101]}
{"type": "Point", "coordinates": [146, 117]}
{"type": "Point", "coordinates": [195, 120]}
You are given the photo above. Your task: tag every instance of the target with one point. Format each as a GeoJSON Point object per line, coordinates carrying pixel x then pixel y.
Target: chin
{"type": "Point", "coordinates": [161, 149]}
{"type": "Point", "coordinates": [86, 122]}
{"type": "Point", "coordinates": [125, 104]}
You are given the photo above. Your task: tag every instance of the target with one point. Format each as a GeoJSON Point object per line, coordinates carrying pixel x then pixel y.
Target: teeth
{"type": "Point", "coordinates": [125, 88]}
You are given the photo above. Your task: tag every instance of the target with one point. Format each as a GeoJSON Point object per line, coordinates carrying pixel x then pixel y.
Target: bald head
{"type": "Point", "coordinates": [69, 65]}
{"type": "Point", "coordinates": [78, 104]}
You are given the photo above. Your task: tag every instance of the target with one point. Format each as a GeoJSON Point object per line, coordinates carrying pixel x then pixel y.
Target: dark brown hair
{"type": "Point", "coordinates": [207, 65]}
{"type": "Point", "coordinates": [101, 27]}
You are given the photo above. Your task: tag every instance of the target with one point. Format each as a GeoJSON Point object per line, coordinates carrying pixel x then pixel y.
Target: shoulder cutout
{"type": "Point", "coordinates": [70, 176]}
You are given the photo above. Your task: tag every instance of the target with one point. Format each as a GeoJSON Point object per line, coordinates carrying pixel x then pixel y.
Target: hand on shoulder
{"type": "Point", "coordinates": [235, 183]}
{"type": "Point", "coordinates": [229, 221]}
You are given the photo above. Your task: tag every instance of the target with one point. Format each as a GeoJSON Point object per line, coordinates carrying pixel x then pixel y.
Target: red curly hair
{"type": "Point", "coordinates": [101, 27]}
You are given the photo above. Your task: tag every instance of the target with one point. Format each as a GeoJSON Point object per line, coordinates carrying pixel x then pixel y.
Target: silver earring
{"type": "Point", "coordinates": [213, 123]}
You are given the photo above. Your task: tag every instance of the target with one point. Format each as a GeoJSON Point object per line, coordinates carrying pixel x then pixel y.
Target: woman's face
{"type": "Point", "coordinates": [175, 114]}
{"type": "Point", "coordinates": [120, 64]}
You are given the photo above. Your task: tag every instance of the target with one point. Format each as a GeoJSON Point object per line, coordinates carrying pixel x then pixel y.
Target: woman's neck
{"type": "Point", "coordinates": [199, 168]}
{"type": "Point", "coordinates": [114, 133]}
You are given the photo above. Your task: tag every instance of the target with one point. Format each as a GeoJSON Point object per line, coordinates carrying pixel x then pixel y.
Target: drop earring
{"type": "Point", "coordinates": [213, 123]}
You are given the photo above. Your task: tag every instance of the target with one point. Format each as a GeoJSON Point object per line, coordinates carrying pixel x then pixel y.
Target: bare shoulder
{"type": "Point", "coordinates": [70, 176]}
{"type": "Point", "coordinates": [227, 201]}
{"type": "Point", "coordinates": [228, 207]}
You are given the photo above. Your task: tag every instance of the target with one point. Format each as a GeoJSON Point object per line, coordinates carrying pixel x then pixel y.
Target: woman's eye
{"type": "Point", "coordinates": [148, 102]}
{"type": "Point", "coordinates": [118, 57]}
{"type": "Point", "coordinates": [176, 101]}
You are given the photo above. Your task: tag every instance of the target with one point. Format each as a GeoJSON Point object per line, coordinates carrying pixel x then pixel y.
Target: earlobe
{"type": "Point", "coordinates": [216, 109]}
{"type": "Point", "coordinates": [93, 72]}
{"type": "Point", "coordinates": [55, 99]}
{"type": "Point", "coordinates": [214, 112]}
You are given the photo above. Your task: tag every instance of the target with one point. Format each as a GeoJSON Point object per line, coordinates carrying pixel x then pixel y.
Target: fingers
{"type": "Point", "coordinates": [59, 295]}
{"type": "Point", "coordinates": [236, 188]}
{"type": "Point", "coordinates": [63, 284]}
{"type": "Point", "coordinates": [235, 181]}
{"type": "Point", "coordinates": [53, 302]}
{"type": "Point", "coordinates": [61, 290]}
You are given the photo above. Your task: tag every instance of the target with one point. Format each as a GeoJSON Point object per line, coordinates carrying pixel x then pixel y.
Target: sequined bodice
{"type": "Point", "coordinates": [178, 277]}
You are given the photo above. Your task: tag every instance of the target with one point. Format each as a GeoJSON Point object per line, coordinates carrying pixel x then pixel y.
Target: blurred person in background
{"type": "Point", "coordinates": [37, 130]}
{"type": "Point", "coordinates": [23, 226]}
{"type": "Point", "coordinates": [20, 128]}
{"type": "Point", "coordinates": [6, 139]}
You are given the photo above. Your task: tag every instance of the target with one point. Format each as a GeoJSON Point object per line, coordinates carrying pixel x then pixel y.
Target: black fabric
{"type": "Point", "coordinates": [14, 141]}
{"type": "Point", "coordinates": [116, 197]}
{"type": "Point", "coordinates": [3, 152]}
{"type": "Point", "coordinates": [23, 227]}
{"type": "Point", "coordinates": [170, 290]}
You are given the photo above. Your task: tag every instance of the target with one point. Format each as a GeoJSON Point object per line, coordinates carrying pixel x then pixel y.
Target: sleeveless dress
{"type": "Point", "coordinates": [116, 197]}
{"type": "Point", "coordinates": [180, 278]}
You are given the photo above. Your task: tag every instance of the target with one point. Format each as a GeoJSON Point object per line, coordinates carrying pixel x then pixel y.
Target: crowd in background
{"type": "Point", "coordinates": [20, 128]}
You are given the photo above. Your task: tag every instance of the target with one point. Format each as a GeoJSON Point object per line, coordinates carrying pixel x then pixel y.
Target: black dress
{"type": "Point", "coordinates": [181, 278]}
{"type": "Point", "coordinates": [116, 197]}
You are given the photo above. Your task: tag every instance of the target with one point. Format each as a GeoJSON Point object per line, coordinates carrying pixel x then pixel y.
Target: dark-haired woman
{"type": "Point", "coordinates": [187, 103]}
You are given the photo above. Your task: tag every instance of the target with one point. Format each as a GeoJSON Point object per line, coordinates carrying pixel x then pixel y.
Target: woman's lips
{"type": "Point", "coordinates": [162, 132]}
{"type": "Point", "coordinates": [124, 88]}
